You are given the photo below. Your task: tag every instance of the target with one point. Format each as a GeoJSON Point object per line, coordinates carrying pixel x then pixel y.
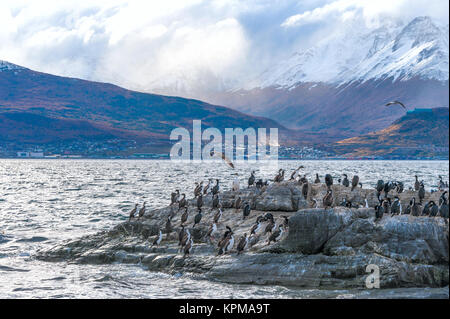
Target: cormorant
{"type": "Point", "coordinates": [345, 181]}
{"type": "Point", "coordinates": [242, 245]}
{"type": "Point", "coordinates": [198, 217]}
{"type": "Point", "coordinates": [317, 180]}
{"type": "Point", "coordinates": [141, 211]}
{"type": "Point", "coordinates": [276, 235]}
{"type": "Point", "coordinates": [328, 199]}
{"type": "Point", "coordinates": [328, 181]}
{"type": "Point", "coordinates": [251, 179]}
{"type": "Point", "coordinates": [246, 210]}
{"type": "Point", "coordinates": [133, 211]}
{"type": "Point", "coordinates": [355, 181]}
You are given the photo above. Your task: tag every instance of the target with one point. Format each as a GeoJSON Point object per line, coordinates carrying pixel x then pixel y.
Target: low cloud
{"type": "Point", "coordinates": [178, 45]}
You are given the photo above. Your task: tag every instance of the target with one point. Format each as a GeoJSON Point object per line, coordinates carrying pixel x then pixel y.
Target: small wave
{"type": "Point", "coordinates": [6, 268]}
{"type": "Point", "coordinates": [33, 239]}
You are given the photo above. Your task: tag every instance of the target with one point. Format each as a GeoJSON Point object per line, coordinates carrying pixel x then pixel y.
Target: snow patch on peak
{"type": "Point", "coordinates": [6, 66]}
{"type": "Point", "coordinates": [400, 52]}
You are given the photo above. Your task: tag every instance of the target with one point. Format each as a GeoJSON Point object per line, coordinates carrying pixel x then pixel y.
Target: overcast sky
{"type": "Point", "coordinates": [142, 44]}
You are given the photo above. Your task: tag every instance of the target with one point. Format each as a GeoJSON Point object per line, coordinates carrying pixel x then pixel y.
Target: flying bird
{"type": "Point", "coordinates": [396, 102]}
{"type": "Point", "coordinates": [223, 157]}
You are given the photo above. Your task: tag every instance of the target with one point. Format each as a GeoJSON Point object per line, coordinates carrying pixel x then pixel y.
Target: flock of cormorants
{"type": "Point", "coordinates": [386, 206]}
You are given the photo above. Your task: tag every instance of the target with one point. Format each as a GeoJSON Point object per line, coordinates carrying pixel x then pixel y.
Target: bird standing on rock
{"type": "Point", "coordinates": [169, 227]}
{"type": "Point", "coordinates": [188, 247]}
{"type": "Point", "coordinates": [328, 199]}
{"type": "Point", "coordinates": [246, 210]}
{"type": "Point", "coordinates": [200, 201]}
{"type": "Point", "coordinates": [276, 235]}
{"type": "Point", "coordinates": [205, 189]}
{"type": "Point", "coordinates": [215, 202]}
{"type": "Point", "coordinates": [305, 187]}
{"type": "Point", "coordinates": [198, 217]}
{"type": "Point", "coordinates": [216, 188]}
{"type": "Point", "coordinates": [379, 187]}
{"type": "Point", "coordinates": [416, 183]}
{"type": "Point", "coordinates": [251, 179]}
{"type": "Point", "coordinates": [242, 245]}
{"type": "Point", "coordinates": [218, 215]}
{"type": "Point", "coordinates": [443, 207]}
{"type": "Point", "coordinates": [183, 202]}
{"type": "Point", "coordinates": [237, 203]}
{"type": "Point", "coordinates": [158, 239]}
{"type": "Point", "coordinates": [184, 216]}
{"type": "Point", "coordinates": [211, 231]}
{"type": "Point", "coordinates": [355, 181]}
{"type": "Point", "coordinates": [328, 181]}
{"type": "Point", "coordinates": [317, 180]}
{"type": "Point", "coordinates": [421, 192]}
{"type": "Point", "coordinates": [133, 211]}
{"type": "Point", "coordinates": [396, 207]}
{"type": "Point", "coordinates": [141, 211]}
{"type": "Point", "coordinates": [255, 227]}
{"type": "Point", "coordinates": [345, 181]}
{"type": "Point", "coordinates": [174, 197]}
{"type": "Point", "coordinates": [379, 212]}
{"type": "Point", "coordinates": [415, 207]}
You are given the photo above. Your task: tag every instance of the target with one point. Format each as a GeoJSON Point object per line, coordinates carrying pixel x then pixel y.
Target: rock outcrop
{"type": "Point", "coordinates": [323, 248]}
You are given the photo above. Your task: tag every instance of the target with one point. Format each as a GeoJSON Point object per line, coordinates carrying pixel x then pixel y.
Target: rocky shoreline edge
{"type": "Point", "coordinates": [324, 248]}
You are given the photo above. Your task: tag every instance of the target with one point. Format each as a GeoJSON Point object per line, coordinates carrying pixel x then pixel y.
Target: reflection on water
{"type": "Point", "coordinates": [43, 202]}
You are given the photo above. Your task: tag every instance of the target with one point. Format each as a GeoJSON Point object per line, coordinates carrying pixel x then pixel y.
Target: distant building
{"type": "Point", "coordinates": [23, 154]}
{"type": "Point", "coordinates": [33, 154]}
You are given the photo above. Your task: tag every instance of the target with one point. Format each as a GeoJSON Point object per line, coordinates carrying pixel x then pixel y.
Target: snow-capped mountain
{"type": "Point", "coordinates": [353, 71]}
{"type": "Point", "coordinates": [401, 52]}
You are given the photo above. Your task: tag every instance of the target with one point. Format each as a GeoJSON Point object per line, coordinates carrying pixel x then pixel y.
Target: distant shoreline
{"type": "Point", "coordinates": [168, 159]}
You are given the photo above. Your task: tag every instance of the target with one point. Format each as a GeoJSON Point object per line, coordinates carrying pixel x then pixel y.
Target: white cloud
{"type": "Point", "coordinates": [191, 44]}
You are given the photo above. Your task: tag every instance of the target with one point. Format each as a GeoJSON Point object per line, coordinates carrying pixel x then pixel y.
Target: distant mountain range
{"type": "Point", "coordinates": [38, 107]}
{"type": "Point", "coordinates": [330, 97]}
{"type": "Point", "coordinates": [419, 133]}
{"type": "Point", "coordinates": [339, 86]}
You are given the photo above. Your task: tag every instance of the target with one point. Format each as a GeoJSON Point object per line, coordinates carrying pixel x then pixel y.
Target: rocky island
{"type": "Point", "coordinates": [321, 248]}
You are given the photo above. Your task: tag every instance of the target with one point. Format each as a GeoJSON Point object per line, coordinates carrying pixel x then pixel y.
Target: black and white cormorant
{"type": "Point", "coordinates": [276, 235]}
{"type": "Point", "coordinates": [256, 227]}
{"type": "Point", "coordinates": [188, 247]}
{"type": "Point", "coordinates": [328, 199]}
{"type": "Point", "coordinates": [379, 187]}
{"type": "Point", "coordinates": [246, 211]}
{"type": "Point", "coordinates": [345, 181]}
{"type": "Point", "coordinates": [158, 239]}
{"type": "Point", "coordinates": [396, 207]}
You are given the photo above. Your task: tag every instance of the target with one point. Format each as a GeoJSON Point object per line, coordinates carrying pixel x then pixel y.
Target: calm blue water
{"type": "Point", "coordinates": [43, 202]}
